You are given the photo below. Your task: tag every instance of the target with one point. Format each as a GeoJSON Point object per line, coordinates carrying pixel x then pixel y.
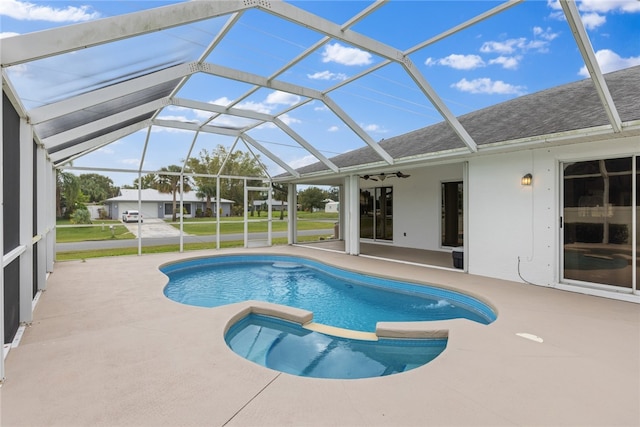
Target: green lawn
{"type": "Point", "coordinates": [229, 225]}
{"type": "Point", "coordinates": [198, 228]}
{"type": "Point", "coordinates": [67, 232]}
{"type": "Point", "coordinates": [75, 255]}
{"type": "Point", "coordinates": [83, 233]}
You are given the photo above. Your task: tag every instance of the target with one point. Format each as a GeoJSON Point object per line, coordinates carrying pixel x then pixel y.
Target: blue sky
{"type": "Point", "coordinates": [523, 50]}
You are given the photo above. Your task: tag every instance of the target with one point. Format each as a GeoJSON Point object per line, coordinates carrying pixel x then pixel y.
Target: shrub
{"type": "Point", "coordinates": [81, 216]}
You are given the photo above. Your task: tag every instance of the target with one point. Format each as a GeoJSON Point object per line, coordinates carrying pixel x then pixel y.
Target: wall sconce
{"type": "Point", "coordinates": [526, 180]}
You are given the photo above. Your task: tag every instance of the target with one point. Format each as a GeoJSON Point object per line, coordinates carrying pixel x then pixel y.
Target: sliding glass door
{"type": "Point", "coordinates": [598, 221]}
{"type": "Point", "coordinates": [376, 213]}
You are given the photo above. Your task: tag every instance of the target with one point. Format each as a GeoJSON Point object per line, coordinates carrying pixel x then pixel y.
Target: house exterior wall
{"type": "Point", "coordinates": [508, 220]}
{"type": "Point", "coordinates": [332, 207]}
{"type": "Point", "coordinates": [417, 206]}
{"type": "Point", "coordinates": [149, 209]}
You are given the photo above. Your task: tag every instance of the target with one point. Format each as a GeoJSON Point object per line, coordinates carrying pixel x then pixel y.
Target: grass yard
{"type": "Point", "coordinates": [75, 255]}
{"type": "Point", "coordinates": [229, 225]}
{"type": "Point", "coordinates": [67, 232]}
{"type": "Point", "coordinates": [81, 233]}
{"type": "Point", "coordinates": [202, 228]}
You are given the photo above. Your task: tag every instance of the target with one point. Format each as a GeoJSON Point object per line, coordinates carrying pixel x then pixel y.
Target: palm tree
{"type": "Point", "coordinates": [171, 183]}
{"type": "Point", "coordinates": [207, 191]}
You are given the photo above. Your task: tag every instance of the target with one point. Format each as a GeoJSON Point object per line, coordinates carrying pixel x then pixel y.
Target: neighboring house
{"type": "Point", "coordinates": [331, 206]}
{"type": "Point", "coordinates": [95, 210]}
{"type": "Point", "coordinates": [160, 205]}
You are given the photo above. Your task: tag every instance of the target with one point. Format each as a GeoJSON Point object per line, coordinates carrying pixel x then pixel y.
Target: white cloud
{"type": "Point", "coordinates": [374, 128]}
{"type": "Point", "coordinates": [303, 161]}
{"type": "Point", "coordinates": [321, 108]}
{"type": "Point", "coordinates": [505, 47]}
{"type": "Point", "coordinates": [333, 129]}
{"type": "Point", "coordinates": [106, 150]}
{"type": "Point", "coordinates": [511, 46]}
{"type": "Point", "coordinates": [266, 107]}
{"type": "Point", "coordinates": [544, 33]}
{"type": "Point", "coordinates": [554, 5]}
{"type": "Point", "coordinates": [345, 55]}
{"type": "Point", "coordinates": [507, 62]}
{"type": "Point", "coordinates": [624, 6]}
{"type": "Point", "coordinates": [288, 120]}
{"type": "Point", "coordinates": [224, 101]}
{"type": "Point", "coordinates": [25, 11]}
{"type": "Point", "coordinates": [610, 61]}
{"type": "Point", "coordinates": [278, 97]}
{"type": "Point", "coordinates": [8, 34]}
{"type": "Point", "coordinates": [593, 20]}
{"type": "Point", "coordinates": [327, 75]}
{"type": "Point", "coordinates": [592, 11]}
{"type": "Point", "coordinates": [488, 86]}
{"type": "Point", "coordinates": [459, 62]}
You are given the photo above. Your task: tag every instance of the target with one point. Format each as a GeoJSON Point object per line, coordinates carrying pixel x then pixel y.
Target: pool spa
{"type": "Point", "coordinates": [346, 307]}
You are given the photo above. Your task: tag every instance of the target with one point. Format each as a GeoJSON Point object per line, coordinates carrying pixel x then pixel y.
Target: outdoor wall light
{"type": "Point", "coordinates": [526, 180]}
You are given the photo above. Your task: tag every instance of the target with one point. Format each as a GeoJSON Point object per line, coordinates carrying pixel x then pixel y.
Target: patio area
{"type": "Point", "coordinates": [107, 348]}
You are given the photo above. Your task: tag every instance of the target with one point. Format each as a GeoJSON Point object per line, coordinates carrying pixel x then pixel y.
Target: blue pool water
{"type": "Point", "coordinates": [336, 297]}
{"type": "Point", "coordinates": [287, 347]}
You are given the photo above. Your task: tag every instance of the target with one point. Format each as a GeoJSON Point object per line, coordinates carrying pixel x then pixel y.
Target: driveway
{"type": "Point", "coordinates": [153, 227]}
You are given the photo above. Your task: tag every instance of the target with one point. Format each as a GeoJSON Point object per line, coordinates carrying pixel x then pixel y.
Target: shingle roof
{"type": "Point", "coordinates": [564, 108]}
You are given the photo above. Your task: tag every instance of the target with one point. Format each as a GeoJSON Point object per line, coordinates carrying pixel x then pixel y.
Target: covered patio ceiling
{"type": "Point", "coordinates": [178, 70]}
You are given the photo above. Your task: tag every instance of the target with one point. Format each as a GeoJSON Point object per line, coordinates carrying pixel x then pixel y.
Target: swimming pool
{"type": "Point", "coordinates": [336, 297]}
{"type": "Point", "coordinates": [287, 347]}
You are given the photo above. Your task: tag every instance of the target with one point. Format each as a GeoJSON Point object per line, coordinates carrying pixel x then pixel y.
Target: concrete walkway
{"type": "Point", "coordinates": [152, 228]}
{"type": "Point", "coordinates": [107, 348]}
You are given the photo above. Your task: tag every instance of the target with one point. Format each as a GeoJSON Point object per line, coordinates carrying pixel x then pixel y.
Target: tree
{"type": "Point", "coordinates": [68, 193]}
{"type": "Point", "coordinates": [237, 163]}
{"type": "Point", "coordinates": [240, 163]}
{"type": "Point", "coordinates": [312, 198]}
{"type": "Point", "coordinates": [171, 184]}
{"type": "Point", "coordinates": [207, 164]}
{"type": "Point", "coordinates": [97, 187]}
{"type": "Point", "coordinates": [148, 181]}
{"type": "Point", "coordinates": [334, 194]}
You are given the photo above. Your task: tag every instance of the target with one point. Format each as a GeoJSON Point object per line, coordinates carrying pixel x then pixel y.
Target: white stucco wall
{"type": "Point", "coordinates": [508, 220]}
{"type": "Point", "coordinates": [149, 209]}
{"type": "Point", "coordinates": [501, 213]}
{"type": "Point", "coordinates": [417, 205]}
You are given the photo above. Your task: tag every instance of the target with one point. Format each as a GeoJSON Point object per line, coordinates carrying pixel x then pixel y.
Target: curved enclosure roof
{"type": "Point", "coordinates": [312, 87]}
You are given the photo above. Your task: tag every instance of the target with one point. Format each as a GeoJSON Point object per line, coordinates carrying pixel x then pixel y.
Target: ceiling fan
{"type": "Point", "coordinates": [382, 176]}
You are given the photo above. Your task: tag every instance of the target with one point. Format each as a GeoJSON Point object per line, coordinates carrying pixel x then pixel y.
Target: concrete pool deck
{"type": "Point", "coordinates": [107, 348]}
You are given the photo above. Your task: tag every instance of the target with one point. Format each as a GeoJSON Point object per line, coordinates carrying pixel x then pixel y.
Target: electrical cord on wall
{"type": "Point", "coordinates": [520, 275]}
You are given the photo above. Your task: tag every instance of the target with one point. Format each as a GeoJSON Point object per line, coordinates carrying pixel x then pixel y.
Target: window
{"type": "Point", "coordinates": [452, 226]}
